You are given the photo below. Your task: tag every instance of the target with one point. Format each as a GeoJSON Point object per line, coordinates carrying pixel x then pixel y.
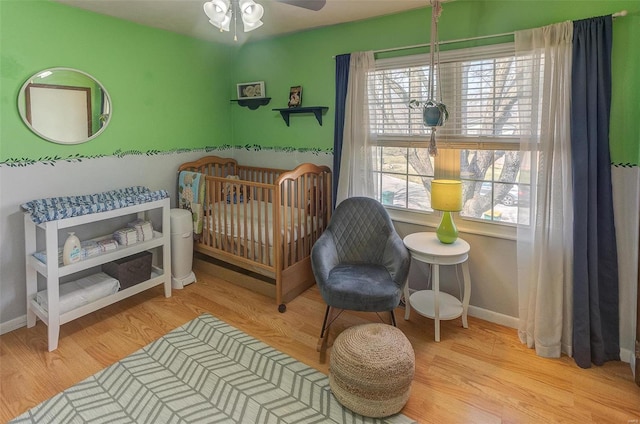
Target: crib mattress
{"type": "Point", "coordinates": [260, 221]}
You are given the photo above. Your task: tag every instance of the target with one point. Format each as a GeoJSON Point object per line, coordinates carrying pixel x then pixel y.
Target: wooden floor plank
{"type": "Point", "coordinates": [482, 374]}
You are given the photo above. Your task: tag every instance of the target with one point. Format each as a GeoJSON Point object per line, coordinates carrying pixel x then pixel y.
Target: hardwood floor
{"type": "Point", "coordinates": [478, 375]}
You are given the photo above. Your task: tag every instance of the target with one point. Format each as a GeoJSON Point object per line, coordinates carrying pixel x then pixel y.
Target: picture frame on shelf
{"type": "Point", "coordinates": [295, 96]}
{"type": "Point", "coordinates": [251, 90]}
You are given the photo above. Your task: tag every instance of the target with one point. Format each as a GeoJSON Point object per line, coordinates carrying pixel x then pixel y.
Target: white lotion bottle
{"type": "Point", "coordinates": [71, 250]}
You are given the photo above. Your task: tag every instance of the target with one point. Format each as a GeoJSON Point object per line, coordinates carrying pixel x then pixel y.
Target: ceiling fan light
{"type": "Point", "coordinates": [243, 4]}
{"type": "Point", "coordinates": [251, 11]}
{"type": "Point", "coordinates": [216, 10]}
{"type": "Point", "coordinates": [224, 24]}
{"type": "Point", "coordinates": [220, 13]}
{"type": "Point", "coordinates": [223, 5]}
{"type": "Point", "coordinates": [250, 26]}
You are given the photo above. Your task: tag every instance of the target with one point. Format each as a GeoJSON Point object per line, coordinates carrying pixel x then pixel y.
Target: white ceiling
{"type": "Point", "coordinates": [187, 16]}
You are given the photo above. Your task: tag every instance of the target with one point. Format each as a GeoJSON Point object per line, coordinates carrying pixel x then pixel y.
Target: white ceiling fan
{"type": "Point", "coordinates": [221, 12]}
{"type": "Point", "coordinates": [306, 4]}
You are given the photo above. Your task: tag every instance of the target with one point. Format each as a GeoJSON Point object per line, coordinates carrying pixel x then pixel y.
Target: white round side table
{"type": "Point", "coordinates": [425, 247]}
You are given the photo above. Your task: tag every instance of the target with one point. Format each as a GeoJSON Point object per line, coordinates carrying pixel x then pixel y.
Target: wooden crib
{"type": "Point", "coordinates": [263, 221]}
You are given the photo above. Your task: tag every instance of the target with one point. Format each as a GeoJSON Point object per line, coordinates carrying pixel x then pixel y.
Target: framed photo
{"type": "Point", "coordinates": [295, 96]}
{"type": "Point", "coordinates": [251, 90]}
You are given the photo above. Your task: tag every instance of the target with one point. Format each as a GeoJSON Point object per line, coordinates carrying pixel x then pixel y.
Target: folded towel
{"type": "Point", "coordinates": [126, 236]}
{"type": "Point", "coordinates": [81, 292]}
{"type": "Point", "coordinates": [89, 249]}
{"type": "Point", "coordinates": [42, 256]}
{"type": "Point", "coordinates": [144, 229]}
{"type": "Point", "coordinates": [108, 245]}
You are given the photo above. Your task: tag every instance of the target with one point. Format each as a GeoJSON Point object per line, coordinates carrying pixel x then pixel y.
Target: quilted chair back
{"type": "Point", "coordinates": [360, 227]}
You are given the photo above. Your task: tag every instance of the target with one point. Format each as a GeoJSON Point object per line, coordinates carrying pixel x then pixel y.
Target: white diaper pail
{"type": "Point", "coordinates": [181, 248]}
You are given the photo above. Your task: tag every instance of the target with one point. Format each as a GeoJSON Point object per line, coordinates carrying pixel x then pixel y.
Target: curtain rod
{"type": "Point", "coordinates": [462, 40]}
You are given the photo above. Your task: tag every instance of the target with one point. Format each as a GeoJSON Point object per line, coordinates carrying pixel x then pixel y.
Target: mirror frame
{"type": "Point", "coordinates": [26, 115]}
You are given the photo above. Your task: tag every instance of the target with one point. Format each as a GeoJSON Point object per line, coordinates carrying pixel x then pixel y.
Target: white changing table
{"type": "Point", "coordinates": [52, 271]}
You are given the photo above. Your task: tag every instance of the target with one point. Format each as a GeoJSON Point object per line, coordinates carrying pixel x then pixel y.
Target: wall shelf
{"type": "Point", "coordinates": [316, 110]}
{"type": "Point", "coordinates": [253, 104]}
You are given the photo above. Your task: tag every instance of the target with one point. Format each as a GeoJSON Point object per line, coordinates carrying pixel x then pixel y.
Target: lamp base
{"type": "Point", "coordinates": [447, 232]}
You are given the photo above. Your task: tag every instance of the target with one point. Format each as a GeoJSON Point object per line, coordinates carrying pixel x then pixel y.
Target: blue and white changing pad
{"type": "Point", "coordinates": [54, 208]}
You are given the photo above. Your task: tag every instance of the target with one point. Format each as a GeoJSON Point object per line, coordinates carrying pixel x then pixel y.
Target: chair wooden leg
{"type": "Point", "coordinates": [393, 318]}
{"type": "Point", "coordinates": [322, 347]}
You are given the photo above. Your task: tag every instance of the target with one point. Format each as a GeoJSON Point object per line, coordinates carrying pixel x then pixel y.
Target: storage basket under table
{"type": "Point", "coordinates": [130, 270]}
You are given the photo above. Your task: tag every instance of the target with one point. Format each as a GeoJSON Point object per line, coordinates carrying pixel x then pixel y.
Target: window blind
{"type": "Point", "coordinates": [478, 85]}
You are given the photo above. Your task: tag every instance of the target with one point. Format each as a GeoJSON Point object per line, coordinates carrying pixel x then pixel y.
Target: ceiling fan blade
{"type": "Point", "coordinates": [306, 4]}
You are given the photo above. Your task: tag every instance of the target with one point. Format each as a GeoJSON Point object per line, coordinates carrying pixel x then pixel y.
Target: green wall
{"type": "Point", "coordinates": [307, 59]}
{"type": "Point", "coordinates": [168, 91]}
{"type": "Point", "coordinates": [172, 92]}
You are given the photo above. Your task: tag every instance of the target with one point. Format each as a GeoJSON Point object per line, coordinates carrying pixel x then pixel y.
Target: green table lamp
{"type": "Point", "coordinates": [446, 196]}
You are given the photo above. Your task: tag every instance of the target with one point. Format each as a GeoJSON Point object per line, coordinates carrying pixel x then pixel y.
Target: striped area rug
{"type": "Point", "coordinates": [203, 372]}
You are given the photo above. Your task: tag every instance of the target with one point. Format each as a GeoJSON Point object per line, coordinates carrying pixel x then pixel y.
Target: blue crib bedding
{"type": "Point", "coordinates": [54, 208]}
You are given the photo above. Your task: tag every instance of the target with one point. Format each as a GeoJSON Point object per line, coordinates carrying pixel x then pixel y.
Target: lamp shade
{"type": "Point", "coordinates": [218, 13]}
{"type": "Point", "coordinates": [224, 25]}
{"type": "Point", "coordinates": [251, 26]}
{"type": "Point", "coordinates": [251, 11]}
{"type": "Point", "coordinates": [446, 195]}
{"type": "Point", "coordinates": [216, 10]}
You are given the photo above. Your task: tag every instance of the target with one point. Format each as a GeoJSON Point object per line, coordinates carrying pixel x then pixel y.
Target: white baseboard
{"type": "Point", "coordinates": [494, 317]}
{"type": "Point", "coordinates": [13, 324]}
{"type": "Point", "coordinates": [627, 356]}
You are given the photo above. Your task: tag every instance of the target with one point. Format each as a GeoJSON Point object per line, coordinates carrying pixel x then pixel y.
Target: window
{"type": "Point", "coordinates": [479, 144]}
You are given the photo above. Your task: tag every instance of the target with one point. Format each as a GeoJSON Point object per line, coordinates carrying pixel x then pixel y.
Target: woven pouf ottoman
{"type": "Point", "coordinates": [371, 369]}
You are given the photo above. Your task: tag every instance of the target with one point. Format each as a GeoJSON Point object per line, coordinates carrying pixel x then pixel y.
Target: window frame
{"type": "Point", "coordinates": [447, 163]}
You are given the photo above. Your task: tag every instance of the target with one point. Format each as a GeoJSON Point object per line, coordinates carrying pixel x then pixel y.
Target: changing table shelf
{"type": "Point", "coordinates": [100, 259]}
{"type": "Point", "coordinates": [157, 277]}
{"type": "Point", "coordinates": [52, 271]}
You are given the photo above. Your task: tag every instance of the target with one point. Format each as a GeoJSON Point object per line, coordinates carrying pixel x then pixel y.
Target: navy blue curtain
{"type": "Point", "coordinates": [595, 271]}
{"type": "Point", "coordinates": [342, 78]}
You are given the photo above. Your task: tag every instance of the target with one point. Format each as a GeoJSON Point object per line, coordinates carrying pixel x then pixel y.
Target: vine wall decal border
{"type": "Point", "coordinates": [52, 160]}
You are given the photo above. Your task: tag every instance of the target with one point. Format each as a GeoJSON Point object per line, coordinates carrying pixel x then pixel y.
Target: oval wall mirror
{"type": "Point", "coordinates": [64, 105]}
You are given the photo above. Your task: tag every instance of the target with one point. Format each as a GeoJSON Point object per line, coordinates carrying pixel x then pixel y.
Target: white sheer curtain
{"type": "Point", "coordinates": [356, 163]}
{"type": "Point", "coordinates": [545, 247]}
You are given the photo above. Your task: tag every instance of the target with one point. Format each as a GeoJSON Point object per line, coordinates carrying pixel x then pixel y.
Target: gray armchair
{"type": "Point", "coordinates": [360, 263]}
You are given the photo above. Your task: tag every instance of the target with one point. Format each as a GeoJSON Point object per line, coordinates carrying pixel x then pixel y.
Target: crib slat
{"type": "Point", "coordinates": [285, 224]}
{"type": "Point", "coordinates": [247, 226]}
{"type": "Point", "coordinates": [260, 196]}
{"type": "Point", "coordinates": [300, 241]}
